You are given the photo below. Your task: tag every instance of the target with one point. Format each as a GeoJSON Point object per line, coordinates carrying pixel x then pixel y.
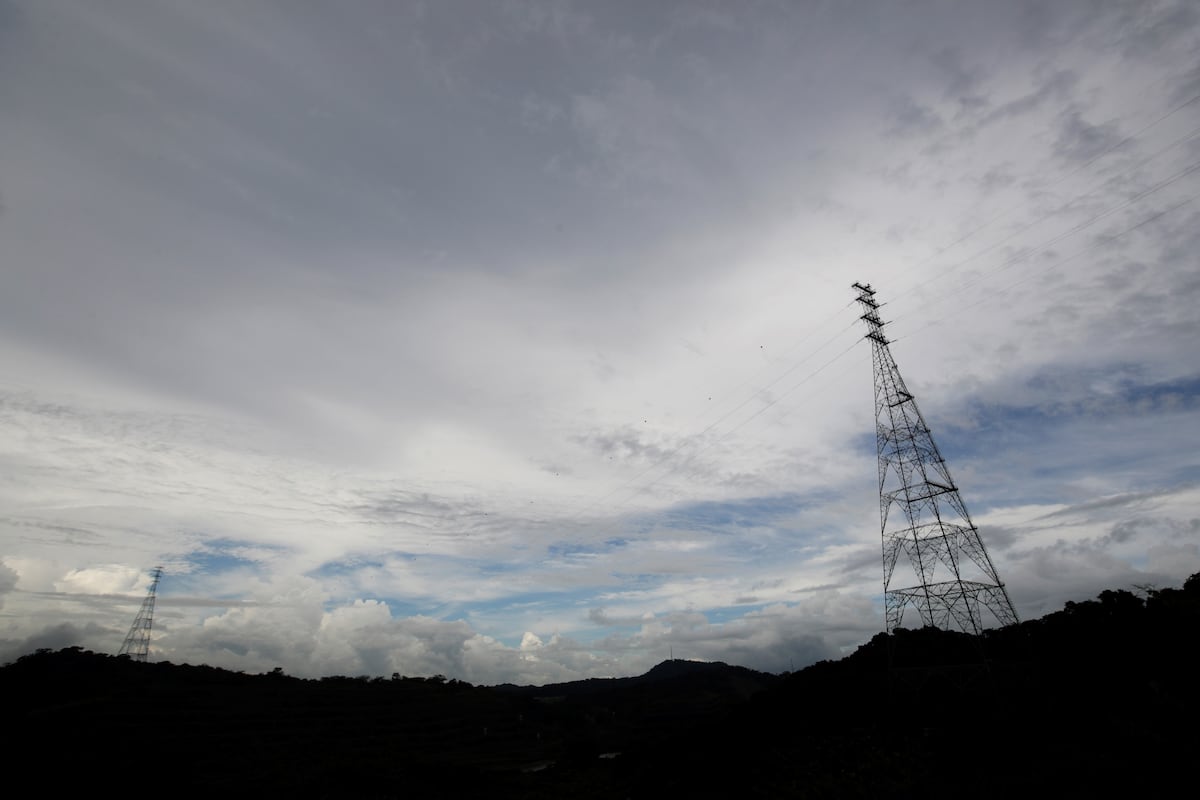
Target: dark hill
{"type": "Point", "coordinates": [1097, 699]}
{"type": "Point", "coordinates": [667, 676]}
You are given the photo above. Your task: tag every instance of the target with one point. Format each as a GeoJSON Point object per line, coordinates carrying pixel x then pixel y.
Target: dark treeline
{"type": "Point", "coordinates": [1098, 698]}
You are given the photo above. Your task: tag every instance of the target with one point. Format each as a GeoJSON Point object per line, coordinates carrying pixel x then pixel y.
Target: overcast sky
{"type": "Point", "coordinates": [514, 341]}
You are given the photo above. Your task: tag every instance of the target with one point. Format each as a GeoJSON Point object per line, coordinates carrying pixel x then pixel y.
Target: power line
{"type": "Point", "coordinates": [776, 400]}
{"type": "Point", "coordinates": [712, 443]}
{"type": "Point", "coordinates": [753, 396]}
{"type": "Point", "coordinates": [1025, 254]}
{"type": "Point", "coordinates": [1041, 219]}
{"type": "Point", "coordinates": [614, 524]}
{"type": "Point", "coordinates": [987, 223]}
{"type": "Point", "coordinates": [1100, 240]}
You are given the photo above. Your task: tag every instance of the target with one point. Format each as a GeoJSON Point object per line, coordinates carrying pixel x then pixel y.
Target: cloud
{"type": "Point", "coordinates": [100, 579]}
{"type": "Point", "coordinates": [601, 617]}
{"type": "Point", "coordinates": [1080, 141]}
{"type": "Point", "coordinates": [1152, 29]}
{"type": "Point", "coordinates": [364, 638]}
{"type": "Point", "coordinates": [397, 333]}
{"type": "Point", "coordinates": [1050, 88]}
{"type": "Point", "coordinates": [963, 81]}
{"type": "Point", "coordinates": [8, 581]}
{"type": "Point", "coordinates": [911, 118]}
{"type": "Point", "coordinates": [64, 634]}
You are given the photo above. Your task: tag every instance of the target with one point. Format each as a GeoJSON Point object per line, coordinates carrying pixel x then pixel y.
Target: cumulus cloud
{"type": "Point", "coordinates": [101, 579]}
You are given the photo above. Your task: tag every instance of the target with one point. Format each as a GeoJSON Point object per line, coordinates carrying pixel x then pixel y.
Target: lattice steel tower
{"type": "Point", "coordinates": [933, 558]}
{"type": "Point", "coordinates": [137, 641]}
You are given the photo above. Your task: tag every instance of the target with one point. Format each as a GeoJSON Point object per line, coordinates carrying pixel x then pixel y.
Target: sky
{"type": "Point", "coordinates": [514, 341]}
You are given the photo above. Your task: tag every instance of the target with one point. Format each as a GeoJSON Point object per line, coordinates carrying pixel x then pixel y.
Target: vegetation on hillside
{"type": "Point", "coordinates": [1099, 697]}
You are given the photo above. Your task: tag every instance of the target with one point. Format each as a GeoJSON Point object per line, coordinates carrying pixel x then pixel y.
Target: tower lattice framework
{"type": "Point", "coordinates": [137, 641]}
{"type": "Point", "coordinates": [933, 558]}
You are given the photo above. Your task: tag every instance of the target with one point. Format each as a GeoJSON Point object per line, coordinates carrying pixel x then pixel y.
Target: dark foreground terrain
{"type": "Point", "coordinates": [1099, 699]}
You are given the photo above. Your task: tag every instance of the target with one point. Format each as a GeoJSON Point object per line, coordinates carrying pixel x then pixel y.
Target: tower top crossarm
{"type": "Point", "coordinates": [870, 308]}
{"type": "Point", "coordinates": [137, 641]}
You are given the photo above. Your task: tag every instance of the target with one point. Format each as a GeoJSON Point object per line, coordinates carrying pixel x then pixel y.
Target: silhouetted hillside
{"type": "Point", "coordinates": [1098, 698]}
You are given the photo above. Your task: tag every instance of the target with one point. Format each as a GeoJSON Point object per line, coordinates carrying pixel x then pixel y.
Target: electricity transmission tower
{"type": "Point", "coordinates": [933, 558]}
{"type": "Point", "coordinates": [137, 641]}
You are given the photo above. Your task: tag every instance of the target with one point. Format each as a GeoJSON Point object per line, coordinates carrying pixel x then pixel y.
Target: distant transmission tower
{"type": "Point", "coordinates": [137, 641]}
{"type": "Point", "coordinates": [944, 570]}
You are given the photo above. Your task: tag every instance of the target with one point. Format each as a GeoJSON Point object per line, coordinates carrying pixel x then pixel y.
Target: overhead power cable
{"type": "Point", "coordinates": [749, 399]}
{"type": "Point", "coordinates": [1027, 253]}
{"type": "Point", "coordinates": [1066, 176]}
{"type": "Point", "coordinates": [1101, 240]}
{"type": "Point", "coordinates": [1043, 218]}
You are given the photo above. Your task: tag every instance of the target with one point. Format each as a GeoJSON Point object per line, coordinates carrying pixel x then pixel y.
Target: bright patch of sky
{"type": "Point", "coordinates": [514, 341]}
